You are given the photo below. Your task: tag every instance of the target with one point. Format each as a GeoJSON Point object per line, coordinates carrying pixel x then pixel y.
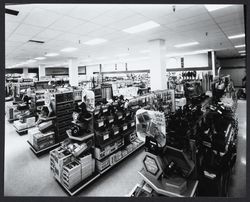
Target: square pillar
{"type": "Point", "coordinates": [41, 71]}
{"type": "Point", "coordinates": [73, 72]}
{"type": "Point", "coordinates": [157, 65]}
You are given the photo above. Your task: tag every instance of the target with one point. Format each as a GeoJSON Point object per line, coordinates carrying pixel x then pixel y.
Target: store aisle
{"type": "Point", "coordinates": [237, 186]}
{"type": "Point", "coordinates": [27, 175]}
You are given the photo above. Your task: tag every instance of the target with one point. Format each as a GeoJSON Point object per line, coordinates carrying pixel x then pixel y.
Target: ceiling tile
{"type": "Point", "coordinates": [18, 38]}
{"type": "Point", "coordinates": [85, 28]}
{"type": "Point", "coordinates": [28, 30]}
{"type": "Point", "coordinates": [49, 34]}
{"type": "Point", "coordinates": [57, 8]}
{"type": "Point", "coordinates": [65, 23]}
{"type": "Point", "coordinates": [41, 17]}
{"type": "Point", "coordinates": [10, 26]}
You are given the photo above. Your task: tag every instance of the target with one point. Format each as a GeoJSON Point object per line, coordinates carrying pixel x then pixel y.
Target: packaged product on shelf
{"type": "Point", "coordinates": [101, 165]}
{"type": "Point", "coordinates": [72, 174]}
{"type": "Point", "coordinates": [43, 140]}
{"type": "Point", "coordinates": [58, 158]}
{"type": "Point", "coordinates": [118, 156]}
{"type": "Point", "coordinates": [112, 159]}
{"type": "Point", "coordinates": [31, 121]}
{"type": "Point", "coordinates": [31, 133]}
{"type": "Point", "coordinates": [124, 153]}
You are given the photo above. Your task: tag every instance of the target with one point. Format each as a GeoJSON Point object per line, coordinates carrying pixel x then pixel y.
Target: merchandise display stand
{"type": "Point", "coordinates": [161, 188]}
{"type": "Point", "coordinates": [79, 187]}
{"type": "Point", "coordinates": [42, 151]}
{"type": "Point", "coordinates": [23, 131]}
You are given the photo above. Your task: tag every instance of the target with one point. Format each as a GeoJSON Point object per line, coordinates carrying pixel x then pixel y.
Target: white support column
{"type": "Point", "coordinates": [213, 64]}
{"type": "Point", "coordinates": [41, 70]}
{"type": "Point", "coordinates": [73, 72]}
{"type": "Point", "coordinates": [157, 65]}
{"type": "Point", "coordinates": [25, 73]}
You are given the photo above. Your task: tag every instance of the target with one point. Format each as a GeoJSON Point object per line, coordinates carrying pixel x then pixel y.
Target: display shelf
{"type": "Point", "coordinates": [12, 120]}
{"type": "Point", "coordinates": [76, 189]}
{"type": "Point", "coordinates": [80, 138]}
{"type": "Point", "coordinates": [42, 151]}
{"type": "Point", "coordinates": [23, 131]}
{"type": "Point", "coordinates": [161, 188]}
{"type": "Point", "coordinates": [106, 169]}
{"type": "Point", "coordinates": [65, 102]}
{"type": "Point", "coordinates": [79, 187]}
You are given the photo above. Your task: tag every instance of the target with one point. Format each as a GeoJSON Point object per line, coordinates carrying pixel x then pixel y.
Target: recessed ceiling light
{"type": "Point", "coordinates": [51, 54]}
{"type": "Point", "coordinates": [145, 51]}
{"type": "Point", "coordinates": [31, 61]}
{"type": "Point", "coordinates": [213, 7]}
{"type": "Point", "coordinates": [142, 27]}
{"type": "Point", "coordinates": [186, 44]}
{"type": "Point", "coordinates": [95, 41]}
{"type": "Point", "coordinates": [122, 55]}
{"type": "Point", "coordinates": [243, 51]}
{"type": "Point", "coordinates": [240, 46]}
{"type": "Point", "coordinates": [40, 58]}
{"type": "Point", "coordinates": [101, 58]}
{"type": "Point", "coordinates": [69, 49]}
{"type": "Point", "coordinates": [236, 36]}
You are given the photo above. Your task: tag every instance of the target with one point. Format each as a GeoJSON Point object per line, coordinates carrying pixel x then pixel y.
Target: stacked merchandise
{"type": "Point", "coordinates": [64, 105]}
{"type": "Point", "coordinates": [70, 168]}
{"type": "Point", "coordinates": [40, 138]}
{"type": "Point", "coordinates": [24, 123]}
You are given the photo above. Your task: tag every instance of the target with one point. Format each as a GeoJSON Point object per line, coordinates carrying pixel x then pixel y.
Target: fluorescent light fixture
{"type": "Point", "coordinates": [243, 54]}
{"type": "Point", "coordinates": [95, 41]}
{"type": "Point", "coordinates": [101, 58]}
{"type": "Point", "coordinates": [240, 46]}
{"type": "Point", "coordinates": [142, 27]}
{"type": "Point", "coordinates": [51, 54]}
{"type": "Point", "coordinates": [31, 61]}
{"type": "Point", "coordinates": [186, 44]}
{"type": "Point", "coordinates": [69, 49]}
{"type": "Point", "coordinates": [122, 55]}
{"type": "Point", "coordinates": [40, 58]}
{"type": "Point", "coordinates": [243, 51]}
{"type": "Point", "coordinates": [236, 36]}
{"type": "Point", "coordinates": [145, 51]}
{"type": "Point", "coordinates": [213, 7]}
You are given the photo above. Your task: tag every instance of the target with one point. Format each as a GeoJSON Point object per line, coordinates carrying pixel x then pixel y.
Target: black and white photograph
{"type": "Point", "coordinates": [125, 100]}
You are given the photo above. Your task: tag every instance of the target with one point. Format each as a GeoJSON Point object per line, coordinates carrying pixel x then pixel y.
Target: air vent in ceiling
{"type": "Point", "coordinates": [11, 12]}
{"type": "Point", "coordinates": [36, 41]}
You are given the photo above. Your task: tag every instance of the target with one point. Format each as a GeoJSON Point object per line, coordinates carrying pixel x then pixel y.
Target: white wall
{"type": "Point", "coordinates": [198, 60]}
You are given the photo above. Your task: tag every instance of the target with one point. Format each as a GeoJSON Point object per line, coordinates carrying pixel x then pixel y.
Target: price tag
{"type": "Point", "coordinates": [125, 127]}
{"type": "Point", "coordinates": [105, 137]}
{"type": "Point", "coordinates": [132, 124]}
{"type": "Point", "coordinates": [119, 117]}
{"type": "Point", "coordinates": [111, 120]}
{"type": "Point", "coordinates": [116, 132]}
{"type": "Point", "coordinates": [100, 124]}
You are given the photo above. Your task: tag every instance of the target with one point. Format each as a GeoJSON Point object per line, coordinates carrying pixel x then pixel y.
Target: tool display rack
{"type": "Point", "coordinates": [63, 106]}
